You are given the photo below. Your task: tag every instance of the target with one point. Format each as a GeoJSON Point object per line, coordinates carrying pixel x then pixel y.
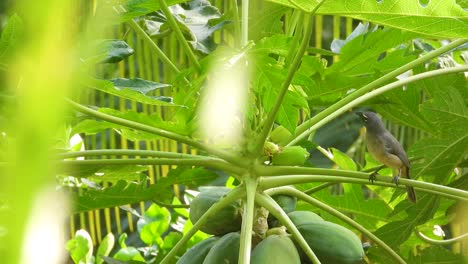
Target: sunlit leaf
{"type": "Point", "coordinates": [437, 18]}
{"type": "Point", "coordinates": [11, 34]}
{"type": "Point", "coordinates": [107, 51]}
{"type": "Point", "coordinates": [154, 223]}
{"type": "Point", "coordinates": [137, 89]}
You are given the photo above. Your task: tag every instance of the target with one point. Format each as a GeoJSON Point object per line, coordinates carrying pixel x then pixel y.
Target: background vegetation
{"type": "Point", "coordinates": [109, 98]}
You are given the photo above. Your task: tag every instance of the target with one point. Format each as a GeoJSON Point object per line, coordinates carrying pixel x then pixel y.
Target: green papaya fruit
{"type": "Point", "coordinates": [291, 156]}
{"type": "Point", "coordinates": [280, 135]}
{"type": "Point", "coordinates": [197, 253]}
{"type": "Point", "coordinates": [275, 249]}
{"type": "Point", "coordinates": [227, 220]}
{"type": "Point", "coordinates": [300, 218]}
{"type": "Point", "coordinates": [332, 243]}
{"type": "Point", "coordinates": [287, 203]}
{"type": "Point", "coordinates": [225, 250]}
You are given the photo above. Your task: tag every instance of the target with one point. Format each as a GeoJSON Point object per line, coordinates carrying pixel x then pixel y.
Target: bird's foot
{"type": "Point", "coordinates": [373, 177]}
{"type": "Point", "coordinates": [395, 179]}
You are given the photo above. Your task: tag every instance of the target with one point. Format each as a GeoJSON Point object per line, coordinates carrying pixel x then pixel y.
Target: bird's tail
{"type": "Point", "coordinates": [409, 189]}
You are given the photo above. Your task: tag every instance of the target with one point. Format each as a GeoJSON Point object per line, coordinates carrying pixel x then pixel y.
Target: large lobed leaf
{"type": "Point", "coordinates": [137, 89]}
{"type": "Point", "coordinates": [128, 193]}
{"type": "Point", "coordinates": [437, 18]}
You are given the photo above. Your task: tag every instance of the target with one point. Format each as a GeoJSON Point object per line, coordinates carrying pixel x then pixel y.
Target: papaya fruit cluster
{"type": "Point", "coordinates": [331, 243]}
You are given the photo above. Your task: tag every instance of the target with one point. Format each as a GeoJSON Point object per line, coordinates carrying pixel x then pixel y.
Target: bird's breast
{"type": "Point", "coordinates": [376, 148]}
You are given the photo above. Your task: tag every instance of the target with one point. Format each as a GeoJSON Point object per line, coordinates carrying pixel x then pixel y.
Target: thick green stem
{"type": "Point", "coordinates": [269, 203]}
{"type": "Point", "coordinates": [271, 182]}
{"type": "Point", "coordinates": [233, 195]}
{"type": "Point", "coordinates": [171, 135]}
{"type": "Point", "coordinates": [206, 162]}
{"type": "Point", "coordinates": [245, 23]}
{"type": "Point", "coordinates": [184, 43]}
{"type": "Point", "coordinates": [237, 24]}
{"type": "Point", "coordinates": [247, 219]}
{"type": "Point", "coordinates": [300, 195]}
{"type": "Point", "coordinates": [134, 25]}
{"type": "Point", "coordinates": [129, 152]}
{"type": "Point", "coordinates": [305, 128]}
{"type": "Point", "coordinates": [372, 94]}
{"type": "Point", "coordinates": [268, 124]}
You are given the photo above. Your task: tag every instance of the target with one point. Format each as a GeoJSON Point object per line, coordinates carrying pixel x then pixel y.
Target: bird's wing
{"type": "Point", "coordinates": [394, 147]}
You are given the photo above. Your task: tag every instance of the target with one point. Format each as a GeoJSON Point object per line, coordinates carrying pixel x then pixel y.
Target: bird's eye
{"type": "Point", "coordinates": [364, 117]}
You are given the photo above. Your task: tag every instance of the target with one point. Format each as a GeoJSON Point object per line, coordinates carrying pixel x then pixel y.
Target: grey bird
{"type": "Point", "coordinates": [386, 149]}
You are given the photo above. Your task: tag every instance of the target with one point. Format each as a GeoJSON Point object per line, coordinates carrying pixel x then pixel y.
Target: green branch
{"type": "Point", "coordinates": [269, 203]}
{"type": "Point", "coordinates": [334, 110]}
{"type": "Point", "coordinates": [203, 162]}
{"type": "Point", "coordinates": [293, 192]}
{"type": "Point", "coordinates": [441, 242]}
{"type": "Point", "coordinates": [129, 152]}
{"type": "Point", "coordinates": [171, 135]}
{"type": "Point", "coordinates": [448, 192]}
{"type": "Point", "coordinates": [268, 124]}
{"type": "Point", "coordinates": [185, 45]}
{"type": "Point", "coordinates": [233, 195]}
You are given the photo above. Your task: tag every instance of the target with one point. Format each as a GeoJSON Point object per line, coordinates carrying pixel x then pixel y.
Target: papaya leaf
{"type": "Point", "coordinates": [396, 232]}
{"type": "Point", "coordinates": [343, 160]}
{"type": "Point", "coordinates": [363, 58]}
{"type": "Point", "coordinates": [268, 20]}
{"type": "Point", "coordinates": [437, 156]}
{"type": "Point", "coordinates": [153, 120]}
{"type": "Point", "coordinates": [437, 18]}
{"type": "Point", "coordinates": [436, 254]}
{"type": "Point", "coordinates": [367, 212]}
{"type": "Point", "coordinates": [133, 89]}
{"type": "Point", "coordinates": [447, 18]}
{"type": "Point", "coordinates": [135, 8]}
{"type": "Point", "coordinates": [128, 193]}
{"type": "Point", "coordinates": [107, 51]}
{"type": "Point", "coordinates": [107, 173]}
{"type": "Point", "coordinates": [154, 224]}
{"type": "Point", "coordinates": [198, 20]}
{"type": "Point", "coordinates": [402, 106]}
{"type": "Point", "coordinates": [363, 52]}
{"type": "Point", "coordinates": [10, 37]}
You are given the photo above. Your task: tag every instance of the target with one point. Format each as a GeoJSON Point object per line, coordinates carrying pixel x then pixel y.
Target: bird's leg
{"type": "Point", "coordinates": [373, 175]}
{"type": "Point", "coordinates": [396, 178]}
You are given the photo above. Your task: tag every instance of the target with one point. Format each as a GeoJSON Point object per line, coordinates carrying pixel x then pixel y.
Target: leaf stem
{"type": "Point", "coordinates": [171, 135]}
{"type": "Point", "coordinates": [337, 108]}
{"type": "Point", "coordinates": [300, 195]}
{"type": "Point", "coordinates": [270, 204]}
{"type": "Point", "coordinates": [184, 43]}
{"type": "Point", "coordinates": [268, 124]}
{"type": "Point", "coordinates": [237, 26]}
{"type": "Point", "coordinates": [233, 195]}
{"type": "Point", "coordinates": [204, 162]}
{"type": "Point", "coordinates": [134, 25]}
{"type": "Point", "coordinates": [247, 219]}
{"type": "Point", "coordinates": [128, 152]}
{"type": "Point", "coordinates": [245, 23]}
{"type": "Point", "coordinates": [440, 242]}
{"type": "Point", "coordinates": [387, 181]}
